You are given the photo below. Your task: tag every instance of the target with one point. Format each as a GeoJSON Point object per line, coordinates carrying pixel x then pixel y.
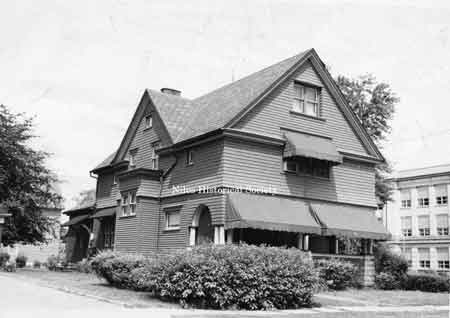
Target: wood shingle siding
{"type": "Point", "coordinates": [275, 113]}
{"type": "Point", "coordinates": [106, 191]}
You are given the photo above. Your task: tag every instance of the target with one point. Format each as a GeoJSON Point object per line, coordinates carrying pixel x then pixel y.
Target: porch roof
{"type": "Point", "coordinates": [101, 213]}
{"type": "Point", "coordinates": [310, 146]}
{"type": "Point", "coordinates": [76, 220]}
{"type": "Point", "coordinates": [268, 212]}
{"type": "Point", "coordinates": [349, 221]}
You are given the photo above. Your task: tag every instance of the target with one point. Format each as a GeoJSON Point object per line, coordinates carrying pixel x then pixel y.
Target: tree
{"type": "Point", "coordinates": [85, 198]}
{"type": "Point", "coordinates": [26, 184]}
{"type": "Point", "coordinates": [374, 104]}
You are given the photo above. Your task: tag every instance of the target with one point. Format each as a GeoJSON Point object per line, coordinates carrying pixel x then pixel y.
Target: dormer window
{"type": "Point", "coordinates": [306, 100]}
{"type": "Point", "coordinates": [154, 157]}
{"type": "Point", "coordinates": [148, 122]}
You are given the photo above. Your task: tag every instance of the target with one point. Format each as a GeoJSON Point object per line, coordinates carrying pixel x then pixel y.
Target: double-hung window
{"type": "Point", "coordinates": [443, 258]}
{"type": "Point", "coordinates": [406, 225]}
{"type": "Point", "coordinates": [423, 199]}
{"type": "Point", "coordinates": [154, 157]}
{"type": "Point", "coordinates": [132, 157]}
{"type": "Point", "coordinates": [190, 157]}
{"type": "Point", "coordinates": [148, 122]}
{"type": "Point", "coordinates": [424, 258]}
{"type": "Point", "coordinates": [405, 197]}
{"type": "Point", "coordinates": [173, 217]}
{"type": "Point", "coordinates": [128, 203]}
{"type": "Point", "coordinates": [424, 225]}
{"type": "Point", "coordinates": [306, 100]}
{"type": "Point", "coordinates": [441, 194]}
{"type": "Point", "coordinates": [442, 224]}
{"type": "Point", "coordinates": [407, 254]}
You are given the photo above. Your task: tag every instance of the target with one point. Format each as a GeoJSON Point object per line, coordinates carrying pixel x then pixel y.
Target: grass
{"type": "Point", "coordinates": [89, 284]}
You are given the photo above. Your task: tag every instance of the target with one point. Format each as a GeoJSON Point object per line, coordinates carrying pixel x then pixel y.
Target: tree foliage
{"type": "Point", "coordinates": [26, 184]}
{"type": "Point", "coordinates": [84, 198]}
{"type": "Point", "coordinates": [373, 103]}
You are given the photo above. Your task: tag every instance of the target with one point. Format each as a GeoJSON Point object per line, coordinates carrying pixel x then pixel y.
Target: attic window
{"type": "Point", "coordinates": [190, 157]}
{"type": "Point", "coordinates": [132, 157]}
{"type": "Point", "coordinates": [306, 100]}
{"type": "Point", "coordinates": [148, 122]}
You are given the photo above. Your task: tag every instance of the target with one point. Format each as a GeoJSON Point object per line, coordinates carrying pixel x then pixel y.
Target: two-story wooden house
{"type": "Point", "coordinates": [276, 157]}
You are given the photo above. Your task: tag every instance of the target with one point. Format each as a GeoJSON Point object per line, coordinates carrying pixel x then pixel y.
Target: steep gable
{"type": "Point", "coordinates": [274, 113]}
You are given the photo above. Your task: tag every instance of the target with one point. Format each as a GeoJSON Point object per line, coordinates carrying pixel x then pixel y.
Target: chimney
{"type": "Point", "coordinates": [170, 91]}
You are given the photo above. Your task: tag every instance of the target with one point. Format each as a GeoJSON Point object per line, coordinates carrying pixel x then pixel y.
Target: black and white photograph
{"type": "Point", "coordinates": [214, 159]}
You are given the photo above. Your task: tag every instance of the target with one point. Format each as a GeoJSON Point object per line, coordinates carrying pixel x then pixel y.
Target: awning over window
{"type": "Point", "coordinates": [349, 221]}
{"type": "Point", "coordinates": [270, 213]}
{"type": "Point", "coordinates": [76, 220]}
{"type": "Point", "coordinates": [101, 213]}
{"type": "Point", "coordinates": [304, 145]}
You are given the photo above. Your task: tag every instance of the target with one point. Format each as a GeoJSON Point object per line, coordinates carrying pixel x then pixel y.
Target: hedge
{"type": "Point", "coordinates": [427, 282]}
{"type": "Point", "coordinates": [4, 258]}
{"type": "Point", "coordinates": [337, 274]}
{"type": "Point", "coordinates": [219, 277]}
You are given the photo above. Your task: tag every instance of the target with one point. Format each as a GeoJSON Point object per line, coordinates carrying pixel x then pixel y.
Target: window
{"type": "Point", "coordinates": [406, 225]}
{"type": "Point", "coordinates": [190, 157]}
{"type": "Point", "coordinates": [132, 157]}
{"type": "Point", "coordinates": [308, 166]}
{"type": "Point", "coordinates": [114, 180]}
{"type": "Point", "coordinates": [128, 203]}
{"type": "Point", "coordinates": [424, 225]}
{"type": "Point", "coordinates": [148, 122]}
{"type": "Point", "coordinates": [108, 233]}
{"type": "Point", "coordinates": [443, 258]}
{"type": "Point", "coordinates": [405, 197]}
{"type": "Point", "coordinates": [441, 194]}
{"type": "Point", "coordinates": [306, 100]}
{"type": "Point", "coordinates": [407, 254]}
{"type": "Point", "coordinates": [154, 157]}
{"type": "Point", "coordinates": [424, 257]}
{"type": "Point", "coordinates": [423, 199]}
{"type": "Point", "coordinates": [172, 218]}
{"type": "Point", "coordinates": [442, 224]}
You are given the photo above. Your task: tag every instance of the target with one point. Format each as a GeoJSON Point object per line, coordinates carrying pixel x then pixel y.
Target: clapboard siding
{"type": "Point", "coordinates": [206, 170]}
{"type": "Point", "coordinates": [256, 165]}
{"type": "Point", "coordinates": [127, 232]}
{"type": "Point", "coordinates": [106, 191]}
{"type": "Point", "coordinates": [275, 112]}
{"type": "Point", "coordinates": [149, 209]}
{"type": "Point", "coordinates": [176, 239]}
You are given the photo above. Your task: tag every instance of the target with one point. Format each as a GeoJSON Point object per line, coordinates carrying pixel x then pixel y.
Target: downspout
{"type": "Point", "coordinates": [161, 184]}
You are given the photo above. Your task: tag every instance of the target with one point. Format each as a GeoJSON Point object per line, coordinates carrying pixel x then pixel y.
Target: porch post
{"type": "Point", "coordinates": [370, 243]}
{"type": "Point", "coordinates": [221, 234]}
{"type": "Point", "coordinates": [306, 242]}
{"type": "Point", "coordinates": [229, 237]}
{"type": "Point", "coordinates": [300, 241]}
{"type": "Point", "coordinates": [336, 245]}
{"type": "Point", "coordinates": [192, 234]}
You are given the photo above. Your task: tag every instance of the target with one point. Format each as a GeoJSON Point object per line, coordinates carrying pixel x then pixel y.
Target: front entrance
{"type": "Point", "coordinates": [205, 230]}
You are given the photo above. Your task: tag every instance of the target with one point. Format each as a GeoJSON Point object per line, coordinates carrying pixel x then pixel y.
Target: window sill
{"type": "Point", "coordinates": [127, 216]}
{"type": "Point", "coordinates": [172, 229]}
{"type": "Point", "coordinates": [293, 112]}
{"type": "Point", "coordinates": [304, 175]}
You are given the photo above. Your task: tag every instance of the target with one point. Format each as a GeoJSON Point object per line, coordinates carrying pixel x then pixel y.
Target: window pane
{"type": "Point", "coordinates": [442, 254]}
{"type": "Point", "coordinates": [311, 109]}
{"type": "Point", "coordinates": [310, 94]}
{"type": "Point", "coordinates": [405, 194]}
{"type": "Point", "coordinates": [173, 219]}
{"type": "Point", "coordinates": [406, 222]}
{"type": "Point", "coordinates": [422, 192]}
{"type": "Point", "coordinates": [297, 106]}
{"type": "Point", "coordinates": [424, 221]}
{"type": "Point", "coordinates": [291, 166]}
{"type": "Point", "coordinates": [440, 190]}
{"type": "Point", "coordinates": [424, 253]}
{"type": "Point", "coordinates": [442, 220]}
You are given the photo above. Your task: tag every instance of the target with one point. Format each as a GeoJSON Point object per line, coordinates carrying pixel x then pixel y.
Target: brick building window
{"type": "Point", "coordinates": [424, 258]}
{"type": "Point", "coordinates": [406, 225]}
{"type": "Point", "coordinates": [442, 224]}
{"type": "Point", "coordinates": [443, 258]}
{"type": "Point", "coordinates": [405, 197]}
{"type": "Point", "coordinates": [441, 194]}
{"type": "Point", "coordinates": [407, 254]}
{"type": "Point", "coordinates": [424, 225]}
{"type": "Point", "coordinates": [423, 199]}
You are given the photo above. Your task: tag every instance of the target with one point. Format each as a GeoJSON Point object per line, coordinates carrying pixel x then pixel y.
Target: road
{"type": "Point", "coordinates": [26, 299]}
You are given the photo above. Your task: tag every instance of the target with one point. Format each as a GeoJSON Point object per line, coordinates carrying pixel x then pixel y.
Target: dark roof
{"type": "Point", "coordinates": [106, 162]}
{"type": "Point", "coordinates": [84, 208]}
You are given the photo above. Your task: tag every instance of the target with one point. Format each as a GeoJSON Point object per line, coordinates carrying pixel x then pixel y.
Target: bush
{"type": "Point", "coordinates": [337, 274]}
{"type": "Point", "coordinates": [84, 266]}
{"type": "Point", "coordinates": [37, 264]}
{"type": "Point", "coordinates": [10, 267]}
{"type": "Point", "coordinates": [387, 281]}
{"type": "Point", "coordinates": [4, 258]}
{"type": "Point", "coordinates": [238, 277]}
{"type": "Point", "coordinates": [388, 262]}
{"type": "Point", "coordinates": [21, 261]}
{"type": "Point", "coordinates": [52, 262]}
{"type": "Point", "coordinates": [116, 268]}
{"type": "Point", "coordinates": [427, 283]}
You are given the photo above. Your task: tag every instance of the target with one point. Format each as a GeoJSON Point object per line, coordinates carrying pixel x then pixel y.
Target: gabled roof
{"type": "Point", "coordinates": [106, 162]}
{"type": "Point", "coordinates": [185, 119]}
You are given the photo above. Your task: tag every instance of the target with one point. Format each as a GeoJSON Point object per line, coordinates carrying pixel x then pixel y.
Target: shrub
{"type": "Point", "coordinates": [239, 277]}
{"type": "Point", "coordinates": [21, 261]}
{"type": "Point", "coordinates": [427, 282]}
{"type": "Point", "coordinates": [10, 267]}
{"type": "Point", "coordinates": [387, 281]}
{"type": "Point", "coordinates": [52, 262]}
{"type": "Point", "coordinates": [337, 274]}
{"type": "Point", "coordinates": [84, 266]}
{"type": "Point", "coordinates": [37, 264]}
{"type": "Point", "coordinates": [116, 267]}
{"type": "Point", "coordinates": [4, 258]}
{"type": "Point", "coordinates": [388, 262]}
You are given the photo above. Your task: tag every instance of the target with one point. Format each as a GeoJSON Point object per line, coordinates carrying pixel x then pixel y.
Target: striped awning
{"type": "Point", "coordinates": [310, 146]}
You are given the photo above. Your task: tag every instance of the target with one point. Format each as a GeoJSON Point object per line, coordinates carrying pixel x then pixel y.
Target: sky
{"type": "Point", "coordinates": [80, 67]}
